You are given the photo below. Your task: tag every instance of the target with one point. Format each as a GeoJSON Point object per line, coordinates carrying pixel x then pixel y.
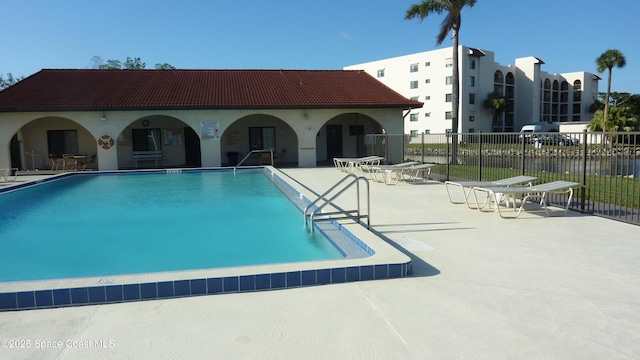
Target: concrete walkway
{"type": "Point", "coordinates": [483, 288]}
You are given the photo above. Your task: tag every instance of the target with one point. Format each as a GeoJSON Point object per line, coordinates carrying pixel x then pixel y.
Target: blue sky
{"type": "Point", "coordinates": [568, 35]}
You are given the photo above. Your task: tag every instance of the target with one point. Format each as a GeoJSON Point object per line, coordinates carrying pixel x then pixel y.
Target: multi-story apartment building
{"type": "Point", "coordinates": [536, 97]}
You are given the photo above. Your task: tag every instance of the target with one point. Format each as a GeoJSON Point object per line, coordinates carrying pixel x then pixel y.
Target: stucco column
{"type": "Point", "coordinates": [210, 151]}
{"type": "Point", "coordinates": [102, 131]}
{"type": "Point", "coordinates": [9, 125]}
{"type": "Point", "coordinates": [5, 156]}
{"type": "Point", "coordinates": [307, 146]}
{"type": "Point", "coordinates": [107, 159]}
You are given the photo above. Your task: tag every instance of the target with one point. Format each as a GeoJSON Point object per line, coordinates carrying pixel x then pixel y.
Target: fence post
{"type": "Point", "coordinates": [448, 157]}
{"type": "Point", "coordinates": [524, 149]}
{"type": "Point", "coordinates": [480, 164]}
{"type": "Point", "coordinates": [386, 146]}
{"type": "Point", "coordinates": [583, 197]}
{"type": "Point", "coordinates": [422, 147]}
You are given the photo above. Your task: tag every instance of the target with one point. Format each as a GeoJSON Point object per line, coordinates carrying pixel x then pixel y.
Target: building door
{"type": "Point", "coordinates": [262, 138]}
{"type": "Point", "coordinates": [192, 154]}
{"type": "Point", "coordinates": [334, 141]}
{"type": "Point", "coordinates": [14, 149]}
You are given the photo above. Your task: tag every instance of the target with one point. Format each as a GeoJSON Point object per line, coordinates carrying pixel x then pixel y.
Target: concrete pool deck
{"type": "Point", "coordinates": [483, 287]}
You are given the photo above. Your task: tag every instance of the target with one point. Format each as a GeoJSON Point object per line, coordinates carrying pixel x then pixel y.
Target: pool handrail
{"type": "Point", "coordinates": [346, 213]}
{"type": "Point", "coordinates": [270, 151]}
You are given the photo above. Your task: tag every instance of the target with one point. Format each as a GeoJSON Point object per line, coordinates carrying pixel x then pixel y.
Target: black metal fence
{"type": "Point", "coordinates": [606, 164]}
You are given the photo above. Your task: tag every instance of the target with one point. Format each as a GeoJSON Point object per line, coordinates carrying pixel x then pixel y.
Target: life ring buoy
{"type": "Point", "coordinates": [106, 142]}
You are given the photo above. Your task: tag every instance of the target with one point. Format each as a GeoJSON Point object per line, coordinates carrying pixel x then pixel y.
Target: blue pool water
{"type": "Point", "coordinates": [110, 224]}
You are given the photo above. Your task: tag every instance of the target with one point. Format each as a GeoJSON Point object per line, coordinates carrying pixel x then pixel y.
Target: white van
{"type": "Point", "coordinates": [528, 132]}
{"type": "Point", "coordinates": [531, 128]}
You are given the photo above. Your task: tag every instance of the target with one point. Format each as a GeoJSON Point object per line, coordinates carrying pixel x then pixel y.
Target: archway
{"type": "Point", "coordinates": [174, 143]}
{"type": "Point", "coordinates": [259, 132]}
{"type": "Point", "coordinates": [37, 144]}
{"type": "Point", "coordinates": [345, 136]}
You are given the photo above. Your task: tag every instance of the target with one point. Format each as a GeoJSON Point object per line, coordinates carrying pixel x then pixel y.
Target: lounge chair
{"type": "Point", "coordinates": [469, 185]}
{"type": "Point", "coordinates": [352, 164]}
{"type": "Point", "coordinates": [411, 172]}
{"type": "Point", "coordinates": [10, 174]}
{"type": "Point", "coordinates": [525, 193]}
{"type": "Point", "coordinates": [383, 173]}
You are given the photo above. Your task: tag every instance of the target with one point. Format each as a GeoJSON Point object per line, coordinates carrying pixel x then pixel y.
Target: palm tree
{"type": "Point", "coordinates": [451, 23]}
{"type": "Point", "coordinates": [498, 104]}
{"type": "Point", "coordinates": [608, 60]}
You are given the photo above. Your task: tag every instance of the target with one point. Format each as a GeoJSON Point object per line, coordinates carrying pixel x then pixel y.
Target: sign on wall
{"type": "Point", "coordinates": [210, 130]}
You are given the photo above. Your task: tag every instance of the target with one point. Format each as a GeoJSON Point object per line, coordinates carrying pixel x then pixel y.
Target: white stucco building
{"type": "Point", "coordinates": [538, 97]}
{"type": "Point", "coordinates": [195, 118]}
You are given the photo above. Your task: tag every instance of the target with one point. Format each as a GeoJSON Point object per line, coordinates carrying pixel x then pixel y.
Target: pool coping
{"type": "Point", "coordinates": [384, 262]}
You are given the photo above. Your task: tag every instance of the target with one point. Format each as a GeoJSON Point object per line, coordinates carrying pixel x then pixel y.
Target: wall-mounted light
{"type": "Point", "coordinates": [305, 115]}
{"type": "Point", "coordinates": [103, 118]}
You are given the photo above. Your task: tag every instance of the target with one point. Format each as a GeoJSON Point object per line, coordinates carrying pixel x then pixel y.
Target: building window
{"type": "Point", "coordinates": [414, 84]}
{"type": "Point", "coordinates": [413, 117]}
{"type": "Point", "coordinates": [472, 118]}
{"type": "Point", "coordinates": [428, 97]}
{"type": "Point", "coordinates": [447, 97]}
{"type": "Point", "coordinates": [427, 114]}
{"type": "Point", "coordinates": [472, 64]}
{"type": "Point", "coordinates": [577, 85]}
{"type": "Point", "coordinates": [413, 68]}
{"type": "Point", "coordinates": [448, 80]}
{"type": "Point", "coordinates": [472, 130]}
{"type": "Point", "coordinates": [472, 81]}
{"type": "Point", "coordinates": [262, 138]}
{"type": "Point", "coordinates": [146, 139]}
{"type": "Point", "coordinates": [415, 98]}
{"type": "Point", "coordinates": [447, 115]}
{"type": "Point", "coordinates": [414, 133]}
{"type": "Point", "coordinates": [355, 130]}
{"type": "Point", "coordinates": [427, 131]}
{"type": "Point", "coordinates": [428, 63]}
{"type": "Point", "coordinates": [448, 63]}
{"type": "Point", "coordinates": [62, 142]}
{"type": "Point", "coordinates": [472, 99]}
{"type": "Point", "coordinates": [427, 81]}
{"type": "Point", "coordinates": [381, 73]}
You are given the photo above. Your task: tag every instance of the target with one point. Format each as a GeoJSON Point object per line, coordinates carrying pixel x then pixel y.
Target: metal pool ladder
{"type": "Point", "coordinates": [268, 151]}
{"type": "Point", "coordinates": [323, 200]}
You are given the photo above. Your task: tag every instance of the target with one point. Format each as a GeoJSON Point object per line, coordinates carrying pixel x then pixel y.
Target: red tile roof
{"type": "Point", "coordinates": [58, 90]}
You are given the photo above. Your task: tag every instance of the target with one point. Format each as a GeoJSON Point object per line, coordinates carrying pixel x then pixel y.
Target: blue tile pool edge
{"type": "Point", "coordinates": [120, 293]}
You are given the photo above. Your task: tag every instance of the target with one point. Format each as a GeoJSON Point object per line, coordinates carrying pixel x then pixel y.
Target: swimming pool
{"type": "Point", "coordinates": [112, 224]}
{"type": "Point", "coordinates": [128, 247]}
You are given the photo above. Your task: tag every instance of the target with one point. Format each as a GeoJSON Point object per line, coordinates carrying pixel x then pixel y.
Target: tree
{"type": "Point", "coordinates": [624, 113]}
{"type": "Point", "coordinates": [498, 104]}
{"type": "Point", "coordinates": [96, 62]}
{"type": "Point", "coordinates": [112, 64]}
{"type": "Point", "coordinates": [130, 64]}
{"type": "Point", "coordinates": [164, 66]}
{"type": "Point", "coordinates": [621, 118]}
{"type": "Point", "coordinates": [608, 60]}
{"type": "Point", "coordinates": [451, 23]}
{"type": "Point", "coordinates": [9, 80]}
{"type": "Point", "coordinates": [134, 64]}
